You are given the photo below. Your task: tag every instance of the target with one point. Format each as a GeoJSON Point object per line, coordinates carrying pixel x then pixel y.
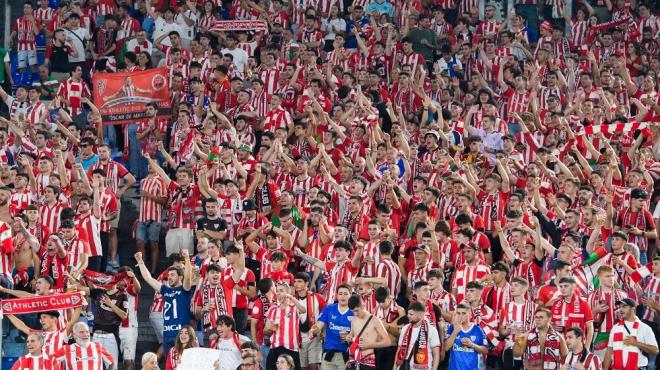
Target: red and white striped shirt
{"type": "Point", "coordinates": [466, 273]}
{"type": "Point", "coordinates": [149, 209]}
{"type": "Point", "coordinates": [158, 302]}
{"type": "Point", "coordinates": [270, 76]}
{"type": "Point", "coordinates": [30, 362]}
{"type": "Point", "coordinates": [24, 29]}
{"type": "Point", "coordinates": [19, 201]}
{"type": "Point", "coordinates": [277, 118]}
{"type": "Point", "coordinates": [109, 205]}
{"type": "Point", "coordinates": [413, 59]}
{"type": "Point", "coordinates": [518, 316]}
{"type": "Point", "coordinates": [53, 340]}
{"type": "Point", "coordinates": [92, 357]}
{"type": "Point", "coordinates": [114, 173]}
{"type": "Point", "coordinates": [72, 92]}
{"type": "Point", "coordinates": [497, 297]}
{"type": "Point", "coordinates": [652, 293]}
{"type": "Point", "coordinates": [340, 273]}
{"type": "Point", "coordinates": [35, 111]}
{"type": "Point", "coordinates": [516, 101]}
{"type": "Point", "coordinates": [104, 7]}
{"type": "Point", "coordinates": [388, 269]}
{"type": "Point", "coordinates": [129, 26]}
{"type": "Point", "coordinates": [590, 360]}
{"type": "Point", "coordinates": [492, 207]}
{"type": "Point", "coordinates": [75, 248]}
{"type": "Point", "coordinates": [287, 319]}
{"type": "Point", "coordinates": [92, 225]}
{"type": "Point", "coordinates": [50, 216]}
{"type": "Point", "coordinates": [370, 251]}
{"type": "Point", "coordinates": [44, 15]}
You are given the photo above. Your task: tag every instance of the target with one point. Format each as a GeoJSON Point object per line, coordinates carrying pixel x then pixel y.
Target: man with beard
{"type": "Point", "coordinates": [579, 357]}
{"type": "Point", "coordinates": [84, 353]}
{"type": "Point", "coordinates": [631, 340]}
{"type": "Point", "coordinates": [466, 341]}
{"type": "Point", "coordinates": [211, 226]}
{"type": "Point", "coordinates": [35, 359]}
{"type": "Point", "coordinates": [419, 342]}
{"type": "Point", "coordinates": [25, 249]}
{"type": "Point", "coordinates": [213, 299]}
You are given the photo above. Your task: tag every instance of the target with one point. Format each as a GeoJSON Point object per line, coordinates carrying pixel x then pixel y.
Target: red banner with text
{"type": "Point", "coordinates": [223, 26]}
{"type": "Point", "coordinates": [122, 97]}
{"type": "Point", "coordinates": [17, 306]}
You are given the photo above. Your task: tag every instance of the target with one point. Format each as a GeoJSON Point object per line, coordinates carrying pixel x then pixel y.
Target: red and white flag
{"type": "Point", "coordinates": [614, 128]}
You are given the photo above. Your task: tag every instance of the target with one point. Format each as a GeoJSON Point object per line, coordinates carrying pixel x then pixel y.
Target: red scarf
{"type": "Point", "coordinates": [421, 357]}
{"type": "Point", "coordinates": [618, 349]}
{"type": "Point", "coordinates": [220, 302]}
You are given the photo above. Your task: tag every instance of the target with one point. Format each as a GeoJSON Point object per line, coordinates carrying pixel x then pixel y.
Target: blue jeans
{"type": "Point", "coordinates": [136, 162]}
{"type": "Point", "coordinates": [168, 343]}
{"type": "Point", "coordinates": [110, 137]}
{"type": "Point", "coordinates": [264, 351]}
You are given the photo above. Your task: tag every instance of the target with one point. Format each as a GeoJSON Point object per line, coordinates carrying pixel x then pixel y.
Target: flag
{"type": "Point", "coordinates": [122, 97]}
{"type": "Point", "coordinates": [586, 274]}
{"type": "Point", "coordinates": [641, 273]}
{"type": "Point", "coordinates": [34, 304]}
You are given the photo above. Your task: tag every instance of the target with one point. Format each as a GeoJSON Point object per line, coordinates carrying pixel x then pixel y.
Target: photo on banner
{"type": "Point", "coordinates": [122, 97]}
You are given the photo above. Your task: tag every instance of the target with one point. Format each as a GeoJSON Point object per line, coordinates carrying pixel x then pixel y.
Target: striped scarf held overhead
{"type": "Point", "coordinates": [618, 349]}
{"type": "Point", "coordinates": [614, 128]}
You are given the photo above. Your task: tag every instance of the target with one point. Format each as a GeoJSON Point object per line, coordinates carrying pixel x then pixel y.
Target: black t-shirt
{"type": "Point", "coordinates": [218, 224]}
{"type": "Point", "coordinates": [59, 59]}
{"type": "Point", "coordinates": [105, 319]}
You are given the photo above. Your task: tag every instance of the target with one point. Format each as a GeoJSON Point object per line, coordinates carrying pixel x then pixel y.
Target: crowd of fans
{"type": "Point", "coordinates": [407, 184]}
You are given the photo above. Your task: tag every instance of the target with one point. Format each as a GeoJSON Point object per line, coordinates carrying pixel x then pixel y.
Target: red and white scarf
{"type": "Point", "coordinates": [216, 296]}
{"type": "Point", "coordinates": [421, 357]}
{"type": "Point", "coordinates": [618, 349]}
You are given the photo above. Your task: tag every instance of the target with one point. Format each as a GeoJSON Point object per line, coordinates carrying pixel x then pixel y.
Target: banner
{"type": "Point", "coordinates": [17, 306]}
{"type": "Point", "coordinates": [122, 97]}
{"type": "Point", "coordinates": [222, 26]}
{"type": "Point", "coordinates": [614, 127]}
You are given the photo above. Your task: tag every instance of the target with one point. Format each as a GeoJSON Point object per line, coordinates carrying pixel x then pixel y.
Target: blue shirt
{"type": "Point", "coordinates": [382, 8]}
{"type": "Point", "coordinates": [176, 309]}
{"type": "Point", "coordinates": [87, 163]}
{"type": "Point", "coordinates": [335, 323]}
{"type": "Point", "coordinates": [463, 358]}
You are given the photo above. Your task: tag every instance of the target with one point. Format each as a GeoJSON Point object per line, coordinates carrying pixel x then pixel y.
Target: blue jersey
{"type": "Point", "coordinates": [463, 357]}
{"type": "Point", "coordinates": [335, 324]}
{"type": "Point", "coordinates": [176, 309]}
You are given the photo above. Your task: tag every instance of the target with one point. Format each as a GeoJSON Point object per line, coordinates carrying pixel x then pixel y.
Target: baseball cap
{"type": "Point", "coordinates": [249, 205]}
{"type": "Point", "coordinates": [626, 302]}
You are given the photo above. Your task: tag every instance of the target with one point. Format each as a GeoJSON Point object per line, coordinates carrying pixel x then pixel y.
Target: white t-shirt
{"type": "Point", "coordinates": [240, 58]}
{"type": "Point", "coordinates": [432, 341]}
{"type": "Point", "coordinates": [77, 43]}
{"type": "Point", "coordinates": [230, 355]}
{"type": "Point", "coordinates": [163, 28]}
{"type": "Point", "coordinates": [188, 32]}
{"type": "Point", "coordinates": [644, 335]}
{"type": "Point", "coordinates": [133, 45]}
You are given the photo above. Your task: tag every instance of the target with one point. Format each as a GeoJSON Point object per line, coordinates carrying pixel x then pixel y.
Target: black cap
{"type": "Point", "coordinates": [638, 194]}
{"type": "Point", "coordinates": [626, 302]}
{"type": "Point", "coordinates": [249, 205]}
{"type": "Point", "coordinates": [195, 79]}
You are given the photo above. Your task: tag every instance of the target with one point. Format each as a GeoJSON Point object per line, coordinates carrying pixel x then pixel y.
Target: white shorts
{"type": "Point", "coordinates": [179, 239]}
{"type": "Point", "coordinates": [27, 57]}
{"type": "Point", "coordinates": [157, 323]}
{"type": "Point", "coordinates": [128, 338]}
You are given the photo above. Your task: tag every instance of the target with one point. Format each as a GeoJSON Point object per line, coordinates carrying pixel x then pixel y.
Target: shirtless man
{"type": "Point", "coordinates": [389, 314]}
{"type": "Point", "coordinates": [366, 335]}
{"type": "Point", "coordinates": [26, 261]}
{"type": "Point", "coordinates": [5, 214]}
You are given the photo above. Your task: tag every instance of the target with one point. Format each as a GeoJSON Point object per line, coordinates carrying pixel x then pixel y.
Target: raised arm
{"type": "Point", "coordinates": [146, 275]}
